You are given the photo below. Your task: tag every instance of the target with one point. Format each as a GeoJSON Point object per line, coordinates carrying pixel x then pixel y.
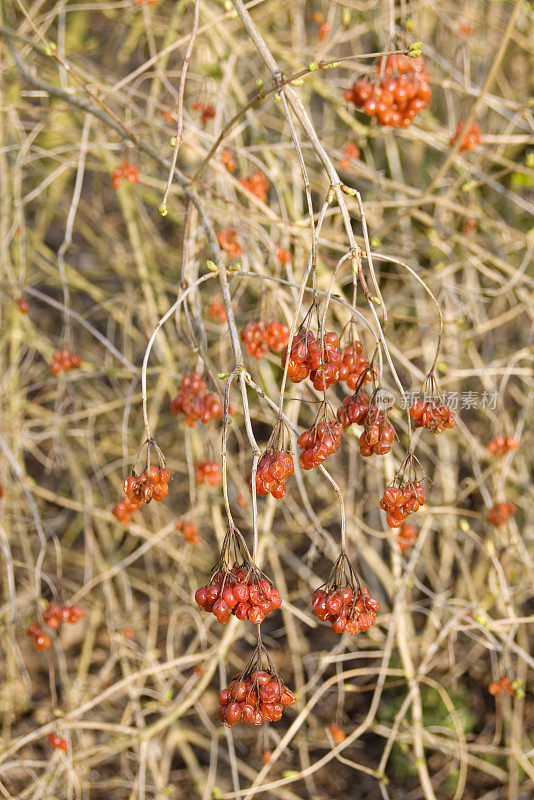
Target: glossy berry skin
{"type": "Point", "coordinates": [41, 641]}
{"type": "Point", "coordinates": [471, 141]}
{"type": "Point", "coordinates": [318, 443]}
{"type": "Point", "coordinates": [501, 445]}
{"type": "Point", "coordinates": [63, 360]}
{"type": "Point", "coordinates": [400, 501]}
{"type": "Point", "coordinates": [396, 95]}
{"type": "Point", "coordinates": [239, 593]}
{"type": "Point", "coordinates": [272, 472]}
{"type": "Point", "coordinates": [254, 698]}
{"type": "Point", "coordinates": [353, 410]}
{"type": "Point", "coordinates": [345, 609]}
{"type": "Point", "coordinates": [378, 433]}
{"type": "Point", "coordinates": [353, 366]}
{"type": "Point", "coordinates": [434, 418]}
{"type": "Point", "coordinates": [54, 614]}
{"type": "Point", "coordinates": [124, 509]}
{"type": "Point", "coordinates": [195, 402]}
{"type": "Point", "coordinates": [57, 742]}
{"type": "Point", "coordinates": [260, 337]}
{"type": "Point", "coordinates": [151, 484]}
{"type": "Point", "coordinates": [500, 513]}
{"type": "Point", "coordinates": [209, 471]}
{"type": "Point", "coordinates": [23, 305]}
{"type": "Point", "coordinates": [126, 171]}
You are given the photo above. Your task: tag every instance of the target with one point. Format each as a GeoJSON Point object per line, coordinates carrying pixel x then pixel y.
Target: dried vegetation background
{"type": "Point", "coordinates": [133, 687]}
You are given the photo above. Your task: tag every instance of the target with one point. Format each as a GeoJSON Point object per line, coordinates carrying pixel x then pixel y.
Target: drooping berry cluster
{"type": "Point", "coordinates": [260, 337]}
{"type": "Point", "coordinates": [501, 445]}
{"type": "Point", "coordinates": [307, 359]}
{"type": "Point", "coordinates": [500, 513]}
{"type": "Point", "coordinates": [435, 418]}
{"type": "Point", "coordinates": [346, 609]}
{"type": "Point", "coordinates": [406, 537]}
{"type": "Point", "coordinates": [195, 402]}
{"type": "Point", "coordinates": [208, 470]}
{"type": "Point", "coordinates": [241, 592]}
{"type": "Point", "coordinates": [254, 697]}
{"type": "Point", "coordinates": [217, 312]}
{"type": "Point", "coordinates": [126, 171]}
{"type": "Point", "coordinates": [257, 184]}
{"type": "Point", "coordinates": [55, 613]}
{"type": "Point", "coordinates": [378, 433]}
{"type": "Point", "coordinates": [471, 141]}
{"type": "Point", "coordinates": [355, 368]}
{"type": "Point", "coordinates": [353, 410]}
{"type": "Point", "coordinates": [317, 443]}
{"type": "Point", "coordinates": [124, 509]}
{"type": "Point", "coordinates": [151, 484]}
{"type": "Point", "coordinates": [63, 360]}
{"type": "Point", "coordinates": [55, 740]}
{"type": "Point", "coordinates": [504, 684]}
{"type": "Point", "coordinates": [274, 468]}
{"type": "Point", "coordinates": [228, 241]}
{"type": "Point", "coordinates": [400, 501]}
{"type": "Point", "coordinates": [189, 529]}
{"type": "Point", "coordinates": [396, 94]}
{"type": "Point", "coordinates": [207, 111]}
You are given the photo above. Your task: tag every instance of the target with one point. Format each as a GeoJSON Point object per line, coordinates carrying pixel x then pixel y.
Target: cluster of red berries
{"type": "Point", "coordinates": [378, 433]}
{"type": "Point", "coordinates": [319, 442]}
{"type": "Point", "coordinates": [353, 410]}
{"type": "Point", "coordinates": [55, 613]}
{"type": "Point", "coordinates": [257, 184]}
{"type": "Point", "coordinates": [307, 359]}
{"type": "Point", "coordinates": [124, 509]}
{"type": "Point", "coordinates": [189, 529]}
{"type": "Point", "coordinates": [56, 741]}
{"type": "Point", "coordinates": [431, 416]}
{"type": "Point", "coordinates": [217, 311]}
{"type": "Point", "coordinates": [500, 445]}
{"type": "Point", "coordinates": [504, 684]}
{"type": "Point", "coordinates": [63, 360]}
{"type": "Point", "coordinates": [240, 592]}
{"type": "Point", "coordinates": [274, 468]}
{"type": "Point", "coordinates": [228, 241]}
{"type": "Point", "coordinates": [400, 501]}
{"type": "Point", "coordinates": [345, 609]}
{"type": "Point", "coordinates": [227, 160]}
{"type": "Point", "coordinates": [23, 305]}
{"type": "Point", "coordinates": [152, 484]}
{"type": "Point", "coordinates": [208, 470]}
{"type": "Point", "coordinates": [406, 537]}
{"type": "Point", "coordinates": [397, 94]}
{"type": "Point", "coordinates": [193, 400]}
{"type": "Point", "coordinates": [254, 698]}
{"type": "Point", "coordinates": [500, 513]}
{"type": "Point", "coordinates": [207, 111]}
{"type": "Point", "coordinates": [127, 171]}
{"type": "Point", "coordinates": [471, 141]}
{"type": "Point", "coordinates": [260, 337]}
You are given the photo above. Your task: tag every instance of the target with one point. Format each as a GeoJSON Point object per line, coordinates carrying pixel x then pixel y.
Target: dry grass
{"type": "Point", "coordinates": [133, 687]}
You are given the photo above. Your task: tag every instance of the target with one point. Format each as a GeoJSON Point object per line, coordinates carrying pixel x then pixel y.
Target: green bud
{"type": "Point", "coordinates": [163, 210]}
